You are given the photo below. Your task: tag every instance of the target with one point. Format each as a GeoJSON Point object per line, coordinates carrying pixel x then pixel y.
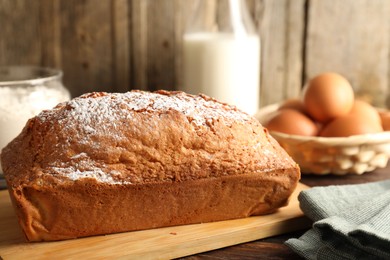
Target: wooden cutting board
{"type": "Point", "coordinates": [162, 243]}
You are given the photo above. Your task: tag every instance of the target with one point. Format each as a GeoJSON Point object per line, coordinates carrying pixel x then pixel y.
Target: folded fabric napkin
{"type": "Point", "coordinates": [350, 222]}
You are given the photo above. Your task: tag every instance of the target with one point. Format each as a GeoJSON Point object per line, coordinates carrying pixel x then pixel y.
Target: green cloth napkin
{"type": "Point", "coordinates": [350, 222]}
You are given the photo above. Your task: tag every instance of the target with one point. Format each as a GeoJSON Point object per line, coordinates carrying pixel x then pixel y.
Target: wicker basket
{"type": "Point", "coordinates": [333, 155]}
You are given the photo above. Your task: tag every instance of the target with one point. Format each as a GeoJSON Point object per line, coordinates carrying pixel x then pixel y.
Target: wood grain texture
{"type": "Point", "coordinates": [139, 43]}
{"type": "Point", "coordinates": [117, 45]}
{"type": "Point", "coordinates": [281, 28]}
{"type": "Point", "coordinates": [154, 44]}
{"type": "Point", "coordinates": [87, 56]}
{"type": "Point", "coordinates": [351, 37]}
{"type": "Point", "coordinates": [120, 22]}
{"type": "Point", "coordinates": [161, 45]}
{"type": "Point", "coordinates": [184, 11]}
{"type": "Point", "coordinates": [253, 250]}
{"type": "Point", "coordinates": [50, 31]}
{"type": "Point", "coordinates": [20, 41]}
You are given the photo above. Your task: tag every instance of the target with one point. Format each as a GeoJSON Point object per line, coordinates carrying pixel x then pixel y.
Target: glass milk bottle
{"type": "Point", "coordinates": [221, 54]}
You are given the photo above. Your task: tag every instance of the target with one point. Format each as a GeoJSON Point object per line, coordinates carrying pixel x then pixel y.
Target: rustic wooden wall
{"type": "Point", "coordinates": [116, 45]}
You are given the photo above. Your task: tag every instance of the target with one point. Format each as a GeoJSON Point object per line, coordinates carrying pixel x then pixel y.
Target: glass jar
{"type": "Point", "coordinates": [221, 54]}
{"type": "Point", "coordinates": [24, 92]}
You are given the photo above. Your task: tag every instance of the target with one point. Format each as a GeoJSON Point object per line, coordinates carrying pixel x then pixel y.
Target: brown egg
{"type": "Point", "coordinates": [292, 122]}
{"type": "Point", "coordinates": [349, 125]}
{"type": "Point", "coordinates": [327, 96]}
{"type": "Point", "coordinates": [385, 119]}
{"type": "Point", "coordinates": [366, 111]}
{"type": "Point", "coordinates": [293, 103]}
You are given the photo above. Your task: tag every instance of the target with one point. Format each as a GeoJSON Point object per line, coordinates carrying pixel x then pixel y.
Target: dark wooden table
{"type": "Point", "coordinates": [273, 247]}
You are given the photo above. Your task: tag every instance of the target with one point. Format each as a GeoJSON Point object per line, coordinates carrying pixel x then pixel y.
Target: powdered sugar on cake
{"type": "Point", "coordinates": [198, 109]}
{"type": "Point", "coordinates": [96, 173]}
{"type": "Point", "coordinates": [103, 107]}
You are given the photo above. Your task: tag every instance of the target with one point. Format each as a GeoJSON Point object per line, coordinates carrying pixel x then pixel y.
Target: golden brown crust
{"type": "Point", "coordinates": [142, 160]}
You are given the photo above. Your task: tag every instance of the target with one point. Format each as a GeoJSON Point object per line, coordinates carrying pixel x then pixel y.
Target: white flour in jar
{"type": "Point", "coordinates": [20, 103]}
